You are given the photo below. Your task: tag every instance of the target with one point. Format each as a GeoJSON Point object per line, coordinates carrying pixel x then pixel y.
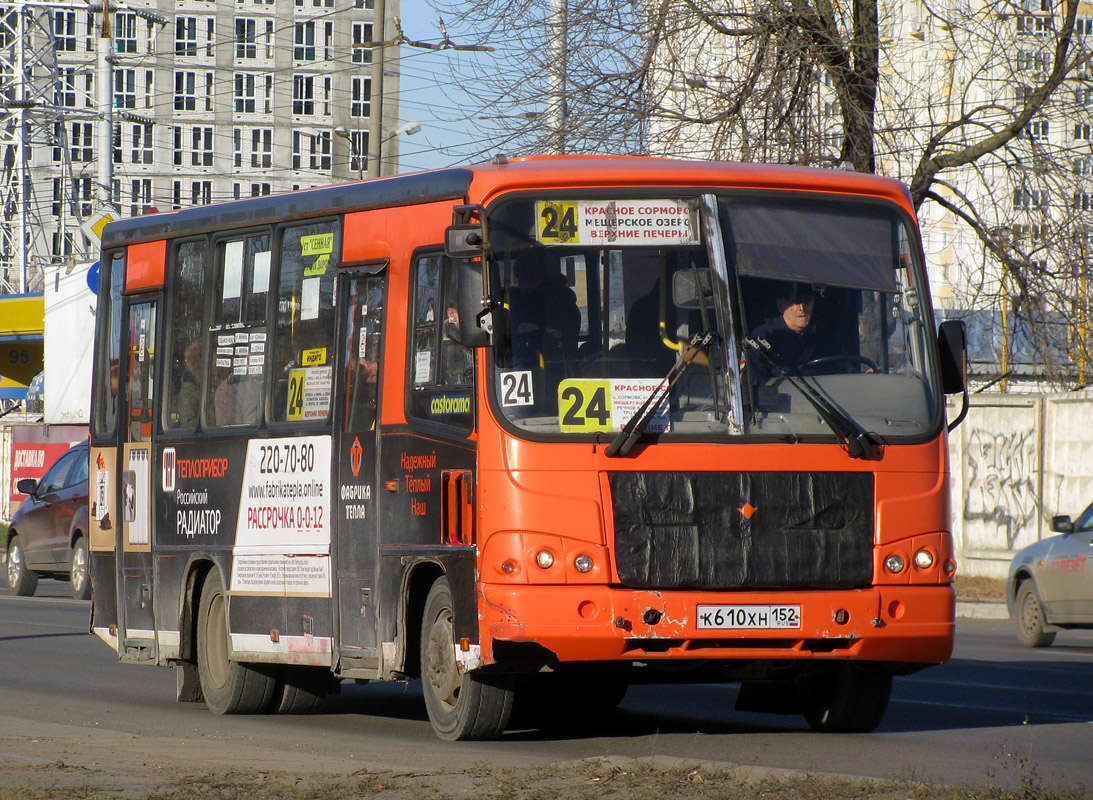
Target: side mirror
{"type": "Point", "coordinates": [476, 323]}
{"type": "Point", "coordinates": [1062, 524]}
{"type": "Point", "coordinates": [952, 347]}
{"type": "Point", "coordinates": [27, 486]}
{"type": "Point", "coordinates": [464, 241]}
{"type": "Point", "coordinates": [952, 351]}
{"type": "Point", "coordinates": [692, 287]}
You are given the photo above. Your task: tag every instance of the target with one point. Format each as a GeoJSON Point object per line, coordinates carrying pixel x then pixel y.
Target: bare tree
{"type": "Point", "coordinates": [984, 110]}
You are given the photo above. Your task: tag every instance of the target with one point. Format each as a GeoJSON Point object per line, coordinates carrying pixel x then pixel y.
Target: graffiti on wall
{"type": "Point", "coordinates": [1001, 497]}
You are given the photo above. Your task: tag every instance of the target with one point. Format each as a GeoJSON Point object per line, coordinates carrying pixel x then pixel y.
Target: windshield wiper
{"type": "Point", "coordinates": [859, 444]}
{"type": "Point", "coordinates": [624, 442]}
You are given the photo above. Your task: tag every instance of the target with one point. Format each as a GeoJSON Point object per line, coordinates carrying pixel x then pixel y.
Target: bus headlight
{"type": "Point", "coordinates": [545, 559]}
{"type": "Point", "coordinates": [894, 563]}
{"type": "Point", "coordinates": [924, 559]}
{"type": "Point", "coordinates": [583, 563]}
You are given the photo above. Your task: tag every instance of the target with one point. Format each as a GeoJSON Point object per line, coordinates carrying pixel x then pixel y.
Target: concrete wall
{"type": "Point", "coordinates": [1017, 461]}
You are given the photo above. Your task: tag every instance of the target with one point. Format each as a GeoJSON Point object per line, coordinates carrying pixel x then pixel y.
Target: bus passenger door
{"type": "Point", "coordinates": [356, 399]}
{"type": "Point", "coordinates": [137, 634]}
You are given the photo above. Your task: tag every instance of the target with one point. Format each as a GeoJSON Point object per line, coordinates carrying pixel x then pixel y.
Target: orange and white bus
{"type": "Point", "coordinates": [545, 427]}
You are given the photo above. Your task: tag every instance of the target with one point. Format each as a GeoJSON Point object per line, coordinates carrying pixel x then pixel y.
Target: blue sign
{"type": "Point", "coordinates": [93, 278]}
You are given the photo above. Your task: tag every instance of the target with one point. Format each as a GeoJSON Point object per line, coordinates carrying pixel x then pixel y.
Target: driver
{"type": "Point", "coordinates": [794, 337]}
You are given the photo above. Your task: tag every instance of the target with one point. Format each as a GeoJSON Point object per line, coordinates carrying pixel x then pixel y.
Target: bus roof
{"type": "Point", "coordinates": [481, 183]}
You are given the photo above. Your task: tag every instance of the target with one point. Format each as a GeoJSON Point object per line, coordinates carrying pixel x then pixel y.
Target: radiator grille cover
{"type": "Point", "coordinates": [743, 530]}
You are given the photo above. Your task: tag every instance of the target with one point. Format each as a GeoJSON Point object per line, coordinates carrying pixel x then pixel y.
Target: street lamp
{"type": "Point", "coordinates": [407, 128]}
{"type": "Point", "coordinates": [354, 150]}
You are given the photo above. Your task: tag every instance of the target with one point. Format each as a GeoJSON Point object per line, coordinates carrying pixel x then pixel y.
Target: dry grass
{"type": "Point", "coordinates": [975, 587]}
{"type": "Point", "coordinates": [591, 779]}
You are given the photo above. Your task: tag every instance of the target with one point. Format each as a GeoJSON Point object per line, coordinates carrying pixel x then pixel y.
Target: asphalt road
{"type": "Point", "coordinates": [997, 713]}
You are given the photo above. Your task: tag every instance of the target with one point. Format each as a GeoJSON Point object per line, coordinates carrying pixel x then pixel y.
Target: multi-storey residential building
{"type": "Point", "coordinates": [212, 100]}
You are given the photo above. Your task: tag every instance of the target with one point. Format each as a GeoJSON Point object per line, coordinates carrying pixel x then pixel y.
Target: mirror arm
{"type": "Point", "coordinates": [963, 411]}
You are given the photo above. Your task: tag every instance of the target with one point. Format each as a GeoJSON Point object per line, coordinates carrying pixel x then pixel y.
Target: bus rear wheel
{"type": "Point", "coordinates": [300, 690]}
{"type": "Point", "coordinates": [464, 705]}
{"type": "Point", "coordinates": [844, 697]}
{"type": "Point", "coordinates": [229, 687]}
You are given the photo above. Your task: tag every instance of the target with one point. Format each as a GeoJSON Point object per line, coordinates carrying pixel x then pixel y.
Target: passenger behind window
{"type": "Point", "coordinates": [457, 360]}
{"type": "Point", "coordinates": [545, 321]}
{"type": "Point", "coordinates": [238, 400]}
{"type": "Point", "coordinates": [646, 352]}
{"type": "Point", "coordinates": [189, 393]}
{"type": "Point", "coordinates": [543, 313]}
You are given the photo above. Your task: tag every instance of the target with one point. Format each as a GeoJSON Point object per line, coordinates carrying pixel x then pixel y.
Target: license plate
{"type": "Point", "coordinates": [748, 617]}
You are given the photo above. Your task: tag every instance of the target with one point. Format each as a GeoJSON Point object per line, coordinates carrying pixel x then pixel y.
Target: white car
{"type": "Point", "coordinates": [1050, 584]}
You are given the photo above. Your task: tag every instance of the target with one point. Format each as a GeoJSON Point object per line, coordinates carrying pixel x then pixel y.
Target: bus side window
{"type": "Point", "coordinates": [109, 345]}
{"type": "Point", "coordinates": [186, 326]}
{"type": "Point", "coordinates": [303, 357]}
{"type": "Point", "coordinates": [235, 391]}
{"type": "Point", "coordinates": [442, 368]}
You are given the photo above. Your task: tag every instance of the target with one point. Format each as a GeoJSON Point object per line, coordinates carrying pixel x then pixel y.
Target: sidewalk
{"type": "Point", "coordinates": [981, 608]}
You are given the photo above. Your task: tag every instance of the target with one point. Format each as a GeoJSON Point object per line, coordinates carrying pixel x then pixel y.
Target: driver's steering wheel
{"type": "Point", "coordinates": [852, 358]}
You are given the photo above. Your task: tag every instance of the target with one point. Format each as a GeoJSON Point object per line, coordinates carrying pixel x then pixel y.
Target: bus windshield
{"type": "Point", "coordinates": [731, 314]}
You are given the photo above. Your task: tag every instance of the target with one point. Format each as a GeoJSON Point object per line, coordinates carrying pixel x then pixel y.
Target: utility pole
{"type": "Point", "coordinates": [375, 109]}
{"type": "Point", "coordinates": [31, 125]}
{"type": "Point", "coordinates": [557, 111]}
{"type": "Point", "coordinates": [104, 99]}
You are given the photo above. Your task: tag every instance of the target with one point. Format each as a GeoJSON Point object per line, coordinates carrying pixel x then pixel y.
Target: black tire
{"type": "Point", "coordinates": [79, 570]}
{"type": "Point", "coordinates": [460, 705]}
{"type": "Point", "coordinates": [300, 689]}
{"type": "Point", "coordinates": [1030, 618]}
{"type": "Point", "coordinates": [22, 582]}
{"type": "Point", "coordinates": [844, 698]}
{"type": "Point", "coordinates": [229, 687]}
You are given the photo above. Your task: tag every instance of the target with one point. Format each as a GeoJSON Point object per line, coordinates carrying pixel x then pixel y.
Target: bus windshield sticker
{"type": "Point", "coordinates": [317, 392]}
{"type": "Point", "coordinates": [314, 357]}
{"type": "Point", "coordinates": [318, 267]}
{"type": "Point", "coordinates": [309, 298]}
{"type": "Point", "coordinates": [260, 277]}
{"type": "Point", "coordinates": [516, 389]}
{"type": "Point", "coordinates": [309, 393]}
{"type": "Point", "coordinates": [603, 406]}
{"type": "Point", "coordinates": [619, 223]}
{"type": "Point", "coordinates": [317, 244]}
{"type": "Point", "coordinates": [233, 269]}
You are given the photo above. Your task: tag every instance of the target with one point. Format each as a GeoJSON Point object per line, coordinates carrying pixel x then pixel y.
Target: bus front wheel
{"type": "Point", "coordinates": [461, 705]}
{"type": "Point", "coordinates": [229, 687]}
{"type": "Point", "coordinates": [844, 697]}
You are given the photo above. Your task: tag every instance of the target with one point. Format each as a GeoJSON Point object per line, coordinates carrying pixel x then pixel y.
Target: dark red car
{"type": "Point", "coordinates": [48, 534]}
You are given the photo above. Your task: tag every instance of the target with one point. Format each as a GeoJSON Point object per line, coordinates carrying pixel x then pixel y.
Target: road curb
{"type": "Point", "coordinates": [982, 609]}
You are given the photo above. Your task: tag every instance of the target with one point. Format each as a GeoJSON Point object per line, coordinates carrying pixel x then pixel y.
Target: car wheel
{"type": "Point", "coordinates": [1030, 618]}
{"type": "Point", "coordinates": [79, 570]}
{"type": "Point", "coordinates": [461, 705]}
{"type": "Point", "coordinates": [229, 687]}
{"type": "Point", "coordinates": [844, 698]}
{"type": "Point", "coordinates": [21, 581]}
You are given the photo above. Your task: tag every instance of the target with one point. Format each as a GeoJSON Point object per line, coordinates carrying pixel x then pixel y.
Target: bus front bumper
{"type": "Point", "coordinates": [911, 624]}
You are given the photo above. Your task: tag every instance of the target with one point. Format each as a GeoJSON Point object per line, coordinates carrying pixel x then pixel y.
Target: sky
{"type": "Point", "coordinates": [429, 94]}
